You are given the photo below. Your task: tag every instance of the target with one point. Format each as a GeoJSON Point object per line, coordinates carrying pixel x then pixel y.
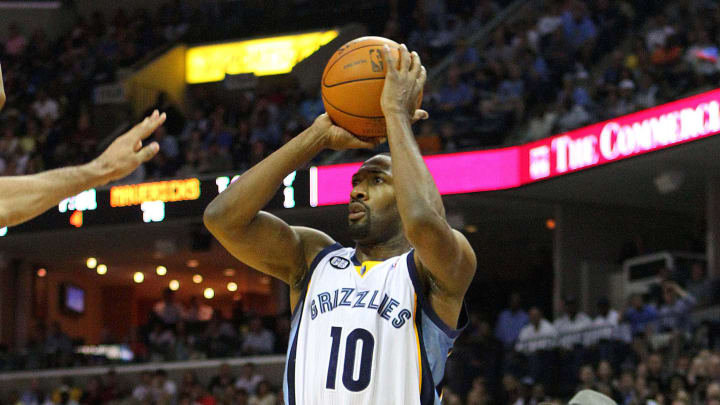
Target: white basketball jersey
{"type": "Point", "coordinates": [364, 334]}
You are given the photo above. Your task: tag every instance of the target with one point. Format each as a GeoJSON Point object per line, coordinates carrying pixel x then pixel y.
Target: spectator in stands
{"type": "Point", "coordinates": [656, 373]}
{"type": "Point", "coordinates": [143, 392]}
{"type": "Point", "coordinates": [656, 291]}
{"type": "Point", "coordinates": [93, 394]}
{"type": "Point", "coordinates": [58, 347]}
{"type": "Point", "coordinates": [164, 390]}
{"type": "Point", "coordinates": [264, 395]}
{"type": "Point", "coordinates": [511, 321]}
{"type": "Point", "coordinates": [46, 108]}
{"type": "Point", "coordinates": [198, 311]}
{"type": "Point", "coordinates": [572, 324]}
{"type": "Point", "coordinates": [478, 394]}
{"type": "Point", "coordinates": [455, 96]}
{"type": "Point", "coordinates": [248, 380]}
{"type": "Point", "coordinates": [161, 342]}
{"type": "Point", "coordinates": [241, 397]}
{"type": "Point", "coordinates": [222, 380]}
{"type": "Point", "coordinates": [169, 311]}
{"type": "Point", "coordinates": [699, 286]}
{"type": "Point", "coordinates": [626, 389]}
{"type": "Point", "coordinates": [605, 323]}
{"type": "Point", "coordinates": [675, 312]}
{"type": "Point", "coordinates": [258, 340]}
{"type": "Point", "coordinates": [539, 334]}
{"type": "Point", "coordinates": [16, 42]}
{"type": "Point", "coordinates": [639, 315]}
{"type": "Point", "coordinates": [33, 395]}
{"type": "Point", "coordinates": [586, 376]}
{"type": "Point", "coordinates": [220, 337]}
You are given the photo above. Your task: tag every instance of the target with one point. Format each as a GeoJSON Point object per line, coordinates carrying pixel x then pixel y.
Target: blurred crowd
{"type": "Point", "coordinates": [656, 349]}
{"type": "Point", "coordinates": [224, 387]}
{"type": "Point", "coordinates": [653, 351]}
{"type": "Point", "coordinates": [549, 68]}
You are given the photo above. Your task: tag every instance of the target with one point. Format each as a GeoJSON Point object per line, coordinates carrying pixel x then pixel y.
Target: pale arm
{"type": "Point", "coordinates": [25, 197]}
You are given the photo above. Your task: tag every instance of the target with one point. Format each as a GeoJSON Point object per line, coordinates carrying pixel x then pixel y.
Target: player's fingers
{"type": "Point", "coordinates": [420, 115]}
{"type": "Point", "coordinates": [149, 151]}
{"type": "Point", "coordinates": [421, 77]}
{"type": "Point", "coordinates": [150, 124]}
{"type": "Point", "coordinates": [404, 58]}
{"type": "Point", "coordinates": [390, 60]}
{"type": "Point", "coordinates": [137, 146]}
{"type": "Point", "coordinates": [415, 64]}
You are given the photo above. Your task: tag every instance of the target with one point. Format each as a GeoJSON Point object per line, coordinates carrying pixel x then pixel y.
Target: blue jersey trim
{"type": "Point", "coordinates": [427, 307]}
{"type": "Point", "coordinates": [306, 281]}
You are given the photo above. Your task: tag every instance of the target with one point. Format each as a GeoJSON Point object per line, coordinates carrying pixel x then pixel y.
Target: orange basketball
{"type": "Point", "coordinates": [352, 84]}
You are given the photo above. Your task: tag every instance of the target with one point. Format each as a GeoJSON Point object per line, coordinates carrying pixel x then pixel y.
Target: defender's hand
{"type": "Point", "coordinates": [337, 138]}
{"type": "Point", "coordinates": [404, 80]}
{"type": "Point", "coordinates": [126, 152]}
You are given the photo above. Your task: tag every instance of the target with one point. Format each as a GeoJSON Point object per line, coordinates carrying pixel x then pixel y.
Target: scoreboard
{"type": "Point", "coordinates": [153, 202]}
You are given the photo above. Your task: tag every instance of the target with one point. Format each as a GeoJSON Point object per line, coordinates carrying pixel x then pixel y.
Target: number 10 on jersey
{"type": "Point", "coordinates": [348, 371]}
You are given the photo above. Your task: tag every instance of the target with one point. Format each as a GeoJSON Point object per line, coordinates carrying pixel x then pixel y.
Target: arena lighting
{"type": "Point", "coordinates": [471, 228]}
{"type": "Point", "coordinates": [657, 128]}
{"type": "Point", "coordinates": [209, 293]}
{"type": "Point", "coordinates": [192, 263]}
{"type": "Point", "coordinates": [174, 285]}
{"type": "Point", "coordinates": [161, 270]}
{"type": "Point", "coordinates": [101, 269]}
{"type": "Point", "coordinates": [197, 279]}
{"type": "Point", "coordinates": [229, 272]}
{"type": "Point", "coordinates": [264, 56]}
{"type": "Point", "coordinates": [41, 272]}
{"type": "Point", "coordinates": [232, 287]}
{"type": "Point", "coordinates": [91, 262]}
{"type": "Point", "coordinates": [138, 277]}
{"type": "Point", "coordinates": [550, 224]}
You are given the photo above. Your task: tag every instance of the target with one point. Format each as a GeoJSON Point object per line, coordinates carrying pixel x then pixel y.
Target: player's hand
{"type": "Point", "coordinates": [126, 152]}
{"type": "Point", "coordinates": [404, 80]}
{"type": "Point", "coordinates": [2, 90]}
{"type": "Point", "coordinates": [337, 138]}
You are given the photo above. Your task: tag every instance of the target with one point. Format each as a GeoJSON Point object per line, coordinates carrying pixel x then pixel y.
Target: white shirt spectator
{"type": "Point", "coordinates": [261, 342]}
{"type": "Point", "coordinates": [570, 329]}
{"type": "Point", "coordinates": [141, 393]}
{"type": "Point", "coordinates": [532, 339]}
{"type": "Point", "coordinates": [47, 108]}
{"type": "Point", "coordinates": [249, 384]}
{"type": "Point", "coordinates": [603, 327]}
{"type": "Point", "coordinates": [548, 24]}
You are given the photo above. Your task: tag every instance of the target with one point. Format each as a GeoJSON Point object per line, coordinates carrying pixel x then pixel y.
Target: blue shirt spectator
{"type": "Point", "coordinates": [675, 312]}
{"type": "Point", "coordinates": [639, 315]}
{"type": "Point", "coordinates": [578, 25]}
{"type": "Point", "coordinates": [511, 321]}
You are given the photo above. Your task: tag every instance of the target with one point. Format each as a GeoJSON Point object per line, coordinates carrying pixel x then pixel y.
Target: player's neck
{"type": "Point", "coordinates": [392, 247]}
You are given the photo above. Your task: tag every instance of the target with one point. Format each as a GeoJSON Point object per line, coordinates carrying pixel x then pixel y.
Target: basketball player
{"type": "Point", "coordinates": [25, 197]}
{"type": "Point", "coordinates": [374, 323]}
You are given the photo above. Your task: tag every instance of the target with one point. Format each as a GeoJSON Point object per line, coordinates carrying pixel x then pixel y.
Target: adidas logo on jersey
{"type": "Point", "coordinates": [339, 263]}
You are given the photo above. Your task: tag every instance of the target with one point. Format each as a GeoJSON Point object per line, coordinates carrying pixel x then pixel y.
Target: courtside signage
{"type": "Point", "coordinates": [631, 135]}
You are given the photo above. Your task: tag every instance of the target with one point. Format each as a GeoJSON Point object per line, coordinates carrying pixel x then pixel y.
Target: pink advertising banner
{"type": "Point", "coordinates": [621, 138]}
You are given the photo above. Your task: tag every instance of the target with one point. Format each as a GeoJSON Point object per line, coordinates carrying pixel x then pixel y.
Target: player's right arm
{"type": "Point", "coordinates": [260, 239]}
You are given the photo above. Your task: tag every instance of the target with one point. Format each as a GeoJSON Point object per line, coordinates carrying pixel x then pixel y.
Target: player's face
{"type": "Point", "coordinates": [372, 213]}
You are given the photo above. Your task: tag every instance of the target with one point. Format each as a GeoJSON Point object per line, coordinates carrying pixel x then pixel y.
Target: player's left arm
{"type": "Point", "coordinates": [442, 252]}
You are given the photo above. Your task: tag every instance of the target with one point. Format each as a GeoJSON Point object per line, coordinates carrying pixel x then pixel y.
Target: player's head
{"type": "Point", "coordinates": [373, 215]}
